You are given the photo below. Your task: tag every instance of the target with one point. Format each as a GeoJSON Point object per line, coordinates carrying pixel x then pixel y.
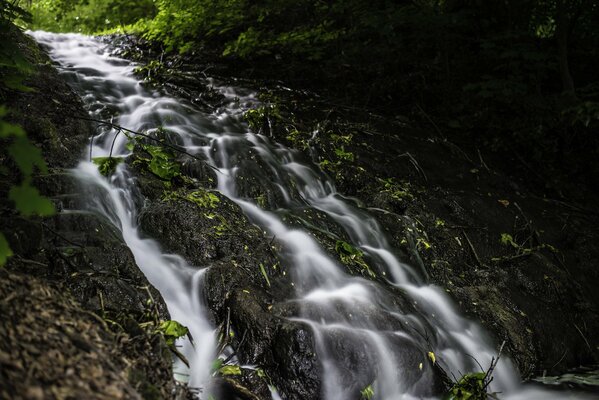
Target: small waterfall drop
{"type": "Point", "coordinates": [341, 309]}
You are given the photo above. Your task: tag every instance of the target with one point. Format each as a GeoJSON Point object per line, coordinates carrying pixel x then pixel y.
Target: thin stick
{"type": "Point", "coordinates": [581, 334]}
{"type": "Point", "coordinates": [560, 360]}
{"type": "Point", "coordinates": [118, 131]}
{"type": "Point", "coordinates": [480, 157]}
{"type": "Point", "coordinates": [472, 248]}
{"type": "Point", "coordinates": [60, 236]}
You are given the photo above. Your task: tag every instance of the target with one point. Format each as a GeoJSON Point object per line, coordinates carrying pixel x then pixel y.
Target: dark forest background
{"type": "Point", "coordinates": [516, 78]}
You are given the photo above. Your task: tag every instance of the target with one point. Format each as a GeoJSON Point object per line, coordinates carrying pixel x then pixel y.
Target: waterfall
{"type": "Point", "coordinates": [341, 309]}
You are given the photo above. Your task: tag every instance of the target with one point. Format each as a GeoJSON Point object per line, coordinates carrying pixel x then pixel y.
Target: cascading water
{"type": "Point", "coordinates": [341, 309]}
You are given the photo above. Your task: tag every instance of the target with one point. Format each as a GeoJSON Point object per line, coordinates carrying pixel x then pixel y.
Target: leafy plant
{"type": "Point", "coordinates": [203, 198]}
{"type": "Point", "coordinates": [260, 119]}
{"type": "Point", "coordinates": [470, 387]}
{"type": "Point", "coordinates": [107, 165]}
{"type": "Point", "coordinates": [367, 393]}
{"type": "Point", "coordinates": [161, 162]}
{"type": "Point", "coordinates": [172, 330]}
{"type": "Point", "coordinates": [348, 254]}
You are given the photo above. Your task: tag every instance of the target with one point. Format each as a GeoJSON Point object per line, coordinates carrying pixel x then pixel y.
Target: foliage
{"type": "Point", "coordinates": [218, 366]}
{"type": "Point", "coordinates": [172, 330]}
{"type": "Point", "coordinates": [161, 162]}
{"type": "Point", "coordinates": [87, 16]}
{"type": "Point", "coordinates": [14, 68]}
{"type": "Point", "coordinates": [107, 165]}
{"type": "Point", "coordinates": [470, 387]}
{"type": "Point", "coordinates": [367, 393]}
{"type": "Point", "coordinates": [262, 118]}
{"type": "Point", "coordinates": [348, 255]}
{"type": "Point", "coordinates": [490, 74]}
{"type": "Point", "coordinates": [203, 198]}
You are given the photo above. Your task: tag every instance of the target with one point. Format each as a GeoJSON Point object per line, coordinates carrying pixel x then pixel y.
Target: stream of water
{"type": "Point", "coordinates": [333, 303]}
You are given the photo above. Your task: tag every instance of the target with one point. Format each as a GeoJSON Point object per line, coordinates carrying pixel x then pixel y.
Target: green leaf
{"type": "Point", "coordinates": [107, 165]}
{"type": "Point", "coordinates": [5, 250]}
{"type": "Point", "coordinates": [27, 156]}
{"type": "Point", "coordinates": [203, 199]}
{"type": "Point", "coordinates": [367, 393]}
{"type": "Point", "coordinates": [172, 330]}
{"type": "Point", "coordinates": [161, 163]}
{"type": "Point", "coordinates": [508, 240]}
{"type": "Point", "coordinates": [29, 202]}
{"type": "Point", "coordinates": [230, 370]}
{"type": "Point", "coordinates": [342, 247]}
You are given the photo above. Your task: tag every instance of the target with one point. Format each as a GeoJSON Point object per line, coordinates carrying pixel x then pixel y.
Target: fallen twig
{"type": "Point", "coordinates": [472, 248]}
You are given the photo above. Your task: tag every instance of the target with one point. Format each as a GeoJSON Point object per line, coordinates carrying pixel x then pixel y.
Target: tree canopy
{"type": "Point", "coordinates": [513, 76]}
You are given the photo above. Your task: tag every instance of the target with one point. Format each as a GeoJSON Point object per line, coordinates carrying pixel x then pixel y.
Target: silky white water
{"type": "Point", "coordinates": [339, 308]}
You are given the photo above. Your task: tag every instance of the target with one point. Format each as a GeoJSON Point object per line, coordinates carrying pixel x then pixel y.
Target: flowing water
{"type": "Point", "coordinates": [335, 305]}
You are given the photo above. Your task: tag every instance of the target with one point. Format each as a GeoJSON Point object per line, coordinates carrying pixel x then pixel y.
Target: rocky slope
{"type": "Point", "coordinates": [78, 319]}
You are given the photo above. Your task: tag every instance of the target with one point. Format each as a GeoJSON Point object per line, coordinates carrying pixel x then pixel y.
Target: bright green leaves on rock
{"type": "Point", "coordinates": [172, 330]}
{"type": "Point", "coordinates": [219, 367]}
{"type": "Point", "coordinates": [348, 255]}
{"type": "Point", "coordinates": [161, 162]}
{"type": "Point", "coordinates": [470, 387]}
{"type": "Point", "coordinates": [203, 198]}
{"type": "Point", "coordinates": [367, 393]}
{"type": "Point", "coordinates": [107, 165]}
{"type": "Point", "coordinates": [230, 370]}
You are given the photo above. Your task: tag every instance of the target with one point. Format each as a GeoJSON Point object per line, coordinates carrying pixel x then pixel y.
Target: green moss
{"type": "Point", "coordinates": [203, 198]}
{"type": "Point", "coordinates": [399, 191]}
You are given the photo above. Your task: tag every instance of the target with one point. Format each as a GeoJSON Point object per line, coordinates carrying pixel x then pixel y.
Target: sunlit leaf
{"type": "Point", "coordinates": [367, 393]}
{"type": "Point", "coordinates": [230, 370]}
{"type": "Point", "coordinates": [173, 329]}
{"type": "Point", "coordinates": [107, 165]}
{"type": "Point", "coordinates": [432, 357]}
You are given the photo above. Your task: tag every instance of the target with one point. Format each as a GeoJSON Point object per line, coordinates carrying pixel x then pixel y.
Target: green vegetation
{"type": "Point", "coordinates": [514, 78]}
{"type": "Point", "coordinates": [349, 255]}
{"type": "Point", "coordinates": [161, 161]}
{"type": "Point", "coordinates": [172, 330]}
{"type": "Point", "coordinates": [367, 393]}
{"type": "Point", "coordinates": [107, 165]}
{"type": "Point", "coordinates": [469, 387]}
{"type": "Point", "coordinates": [203, 198]}
{"type": "Point", "coordinates": [87, 16]}
{"type": "Point", "coordinates": [27, 158]}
